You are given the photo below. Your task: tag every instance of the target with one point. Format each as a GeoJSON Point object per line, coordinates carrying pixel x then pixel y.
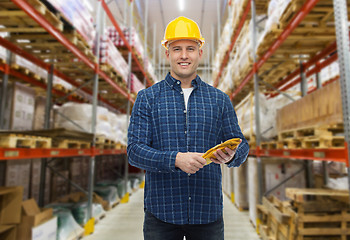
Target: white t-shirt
{"type": "Point", "coordinates": [187, 93]}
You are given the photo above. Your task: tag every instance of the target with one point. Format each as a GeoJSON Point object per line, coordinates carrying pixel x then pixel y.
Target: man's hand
{"type": "Point", "coordinates": [222, 157]}
{"type": "Point", "coordinates": [190, 162]}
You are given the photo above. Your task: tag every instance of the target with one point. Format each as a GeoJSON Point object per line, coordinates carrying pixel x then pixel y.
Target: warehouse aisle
{"type": "Point", "coordinates": [125, 222]}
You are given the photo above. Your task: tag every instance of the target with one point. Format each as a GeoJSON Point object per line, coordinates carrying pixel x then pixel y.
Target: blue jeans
{"type": "Point", "coordinates": [155, 229]}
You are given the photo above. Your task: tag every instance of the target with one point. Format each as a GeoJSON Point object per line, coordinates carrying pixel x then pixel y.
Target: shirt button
{"type": "Point", "coordinates": [182, 92]}
{"type": "Point", "coordinates": [185, 132]}
{"type": "Point", "coordinates": [189, 174]}
{"type": "Point", "coordinates": [189, 198]}
{"type": "Point", "coordinates": [185, 111]}
{"type": "Point", "coordinates": [178, 82]}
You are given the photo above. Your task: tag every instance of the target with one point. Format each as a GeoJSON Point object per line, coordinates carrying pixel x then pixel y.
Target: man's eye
{"type": "Point", "coordinates": [190, 49]}
{"type": "Point", "coordinates": [176, 49]}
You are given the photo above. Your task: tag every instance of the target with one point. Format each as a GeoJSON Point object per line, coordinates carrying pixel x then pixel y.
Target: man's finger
{"type": "Point", "coordinates": [222, 154]}
{"type": "Point", "coordinates": [201, 160]}
{"type": "Point", "coordinates": [214, 160]}
{"type": "Point", "coordinates": [198, 164]}
{"type": "Point", "coordinates": [229, 151]}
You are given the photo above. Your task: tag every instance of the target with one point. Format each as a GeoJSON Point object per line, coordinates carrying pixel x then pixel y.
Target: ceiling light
{"type": "Point", "coordinates": [182, 5]}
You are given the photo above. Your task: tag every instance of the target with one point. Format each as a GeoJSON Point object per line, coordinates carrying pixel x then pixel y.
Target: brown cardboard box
{"type": "Point", "coordinates": [8, 232]}
{"type": "Point", "coordinates": [312, 110]}
{"type": "Point", "coordinates": [18, 174]}
{"type": "Point", "coordinates": [22, 114]}
{"type": "Point", "coordinates": [31, 217]}
{"type": "Point", "coordinates": [10, 204]}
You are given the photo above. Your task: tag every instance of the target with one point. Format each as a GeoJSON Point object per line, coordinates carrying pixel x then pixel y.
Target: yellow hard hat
{"type": "Point", "coordinates": [182, 28]}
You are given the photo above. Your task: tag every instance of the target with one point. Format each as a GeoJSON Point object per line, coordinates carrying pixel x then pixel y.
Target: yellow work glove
{"type": "Point", "coordinates": [231, 143]}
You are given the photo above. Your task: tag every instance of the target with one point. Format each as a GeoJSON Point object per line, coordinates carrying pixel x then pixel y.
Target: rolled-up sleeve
{"type": "Point", "coordinates": [231, 129]}
{"type": "Point", "coordinates": [139, 150]}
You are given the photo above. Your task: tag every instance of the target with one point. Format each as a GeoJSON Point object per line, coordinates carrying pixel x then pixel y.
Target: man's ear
{"type": "Point", "coordinates": [167, 53]}
{"type": "Point", "coordinates": [200, 53]}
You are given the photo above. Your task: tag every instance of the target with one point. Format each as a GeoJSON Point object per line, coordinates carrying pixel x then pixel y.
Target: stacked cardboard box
{"type": "Point", "coordinates": [36, 224]}
{"type": "Point", "coordinates": [20, 107]}
{"type": "Point", "coordinates": [10, 211]}
{"type": "Point", "coordinates": [18, 174]}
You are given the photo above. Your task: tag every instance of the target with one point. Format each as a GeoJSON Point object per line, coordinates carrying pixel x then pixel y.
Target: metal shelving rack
{"type": "Point", "coordinates": [20, 153]}
{"type": "Point", "coordinates": [342, 44]}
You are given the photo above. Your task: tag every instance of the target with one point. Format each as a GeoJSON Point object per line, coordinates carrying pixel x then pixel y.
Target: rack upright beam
{"type": "Point", "coordinates": [342, 32]}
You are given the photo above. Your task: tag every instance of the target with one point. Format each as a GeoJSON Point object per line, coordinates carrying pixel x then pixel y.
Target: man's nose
{"type": "Point", "coordinates": [184, 54]}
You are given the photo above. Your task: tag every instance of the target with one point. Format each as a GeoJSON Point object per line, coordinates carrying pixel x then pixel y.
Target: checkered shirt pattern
{"type": "Point", "coordinates": [160, 127]}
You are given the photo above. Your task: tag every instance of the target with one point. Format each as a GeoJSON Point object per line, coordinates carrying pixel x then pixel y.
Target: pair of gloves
{"type": "Point", "coordinates": [231, 143]}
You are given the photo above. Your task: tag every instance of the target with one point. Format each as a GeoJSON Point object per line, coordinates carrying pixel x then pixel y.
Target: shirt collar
{"type": "Point", "coordinates": [174, 82]}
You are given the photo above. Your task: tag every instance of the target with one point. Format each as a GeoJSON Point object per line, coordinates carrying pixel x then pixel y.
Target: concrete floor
{"type": "Point", "coordinates": [124, 222]}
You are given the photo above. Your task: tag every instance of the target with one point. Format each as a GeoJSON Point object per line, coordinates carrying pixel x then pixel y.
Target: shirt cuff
{"type": "Point", "coordinates": [238, 159]}
{"type": "Point", "coordinates": [171, 155]}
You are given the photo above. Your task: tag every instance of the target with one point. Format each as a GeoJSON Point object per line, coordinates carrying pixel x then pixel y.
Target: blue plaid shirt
{"type": "Point", "coordinates": [160, 127]}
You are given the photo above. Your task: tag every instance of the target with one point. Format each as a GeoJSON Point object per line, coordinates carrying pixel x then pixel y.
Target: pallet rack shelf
{"type": "Point", "coordinates": [88, 71]}
{"type": "Point", "coordinates": [242, 88]}
{"type": "Point", "coordinates": [320, 58]}
{"type": "Point", "coordinates": [60, 37]}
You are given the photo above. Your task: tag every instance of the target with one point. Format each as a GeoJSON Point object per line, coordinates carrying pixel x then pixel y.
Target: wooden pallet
{"type": "Point", "coordinates": [111, 72]}
{"type": "Point", "coordinates": [322, 217]}
{"type": "Point", "coordinates": [275, 219]}
{"type": "Point", "coordinates": [9, 140]}
{"type": "Point", "coordinates": [50, 17]}
{"type": "Point", "coordinates": [27, 25]}
{"type": "Point", "coordinates": [27, 72]}
{"type": "Point", "coordinates": [327, 136]}
{"type": "Point", "coordinates": [314, 131]}
{"type": "Point", "coordinates": [311, 143]}
{"type": "Point", "coordinates": [321, 213]}
{"type": "Point", "coordinates": [269, 145]}
{"type": "Point", "coordinates": [70, 144]}
{"type": "Point", "coordinates": [105, 143]}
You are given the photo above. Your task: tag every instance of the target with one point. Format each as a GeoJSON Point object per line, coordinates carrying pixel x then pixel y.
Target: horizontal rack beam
{"type": "Point", "coordinates": [28, 153]}
{"type": "Point", "coordinates": [335, 154]}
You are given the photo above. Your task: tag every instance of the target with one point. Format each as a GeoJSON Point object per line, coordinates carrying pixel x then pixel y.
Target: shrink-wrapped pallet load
{"type": "Point", "coordinates": [226, 85]}
{"type": "Point", "coordinates": [224, 44]}
{"type": "Point", "coordinates": [79, 14]}
{"type": "Point", "coordinates": [119, 127]}
{"type": "Point", "coordinates": [275, 11]}
{"type": "Point", "coordinates": [81, 114]}
{"type": "Point", "coordinates": [135, 40]}
{"type": "Point", "coordinates": [109, 125]}
{"type": "Point", "coordinates": [110, 56]}
{"type": "Point", "coordinates": [246, 115]}
{"type": "Point", "coordinates": [136, 84]}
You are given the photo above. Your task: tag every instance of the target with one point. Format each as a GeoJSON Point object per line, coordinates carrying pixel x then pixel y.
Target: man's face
{"type": "Point", "coordinates": [184, 56]}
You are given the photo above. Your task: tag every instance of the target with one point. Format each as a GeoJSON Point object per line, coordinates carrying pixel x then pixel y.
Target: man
{"type": "Point", "coordinates": [173, 123]}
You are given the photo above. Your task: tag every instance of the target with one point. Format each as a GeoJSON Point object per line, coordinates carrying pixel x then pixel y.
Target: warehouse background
{"type": "Point", "coordinates": [70, 73]}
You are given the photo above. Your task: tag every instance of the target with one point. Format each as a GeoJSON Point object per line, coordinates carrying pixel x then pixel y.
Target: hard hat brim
{"type": "Point", "coordinates": [165, 42]}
